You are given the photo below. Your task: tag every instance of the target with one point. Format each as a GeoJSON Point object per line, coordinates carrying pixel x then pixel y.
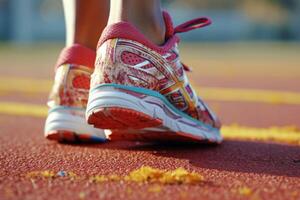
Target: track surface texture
{"type": "Point", "coordinates": [239, 168]}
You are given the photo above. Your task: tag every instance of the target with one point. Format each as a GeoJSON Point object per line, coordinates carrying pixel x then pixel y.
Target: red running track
{"type": "Point", "coordinates": [268, 170]}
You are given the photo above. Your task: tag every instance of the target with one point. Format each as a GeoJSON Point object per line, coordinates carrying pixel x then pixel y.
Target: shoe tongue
{"type": "Point", "coordinates": [169, 25]}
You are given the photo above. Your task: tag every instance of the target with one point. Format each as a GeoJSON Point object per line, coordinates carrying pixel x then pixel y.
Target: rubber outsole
{"type": "Point", "coordinates": [121, 118]}
{"type": "Point", "coordinates": [72, 137]}
{"type": "Point", "coordinates": [155, 136]}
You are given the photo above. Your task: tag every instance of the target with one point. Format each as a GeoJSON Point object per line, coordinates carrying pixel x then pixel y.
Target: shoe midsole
{"type": "Point", "coordinates": [151, 103]}
{"type": "Point", "coordinates": [61, 119]}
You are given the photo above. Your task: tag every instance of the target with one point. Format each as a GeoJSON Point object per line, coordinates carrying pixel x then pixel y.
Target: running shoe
{"type": "Point", "coordinates": [68, 98]}
{"type": "Point", "coordinates": [140, 90]}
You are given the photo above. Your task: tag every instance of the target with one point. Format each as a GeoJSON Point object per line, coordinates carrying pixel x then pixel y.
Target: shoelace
{"type": "Point", "coordinates": [191, 25]}
{"type": "Point", "coordinates": [188, 26]}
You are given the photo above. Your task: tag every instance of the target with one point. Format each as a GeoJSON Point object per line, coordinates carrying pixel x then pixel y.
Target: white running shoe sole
{"type": "Point", "coordinates": [67, 124]}
{"type": "Point", "coordinates": [124, 109]}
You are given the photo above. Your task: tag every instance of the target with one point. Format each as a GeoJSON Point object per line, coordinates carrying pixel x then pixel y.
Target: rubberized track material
{"type": "Point", "coordinates": [268, 170]}
{"type": "Point", "coordinates": [240, 168]}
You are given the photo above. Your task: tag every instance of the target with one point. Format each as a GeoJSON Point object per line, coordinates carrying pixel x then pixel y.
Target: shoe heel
{"type": "Point", "coordinates": [111, 108]}
{"type": "Point", "coordinates": [63, 126]}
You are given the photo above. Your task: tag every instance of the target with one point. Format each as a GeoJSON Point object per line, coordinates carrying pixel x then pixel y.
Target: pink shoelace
{"type": "Point", "coordinates": [191, 25]}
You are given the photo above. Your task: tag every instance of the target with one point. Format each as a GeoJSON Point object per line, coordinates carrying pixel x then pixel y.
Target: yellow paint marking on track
{"type": "Point", "coordinates": [23, 109]}
{"type": "Point", "coordinates": [249, 95]}
{"type": "Point", "coordinates": [287, 134]}
{"type": "Point", "coordinates": [24, 85]}
{"type": "Point", "coordinates": [32, 86]}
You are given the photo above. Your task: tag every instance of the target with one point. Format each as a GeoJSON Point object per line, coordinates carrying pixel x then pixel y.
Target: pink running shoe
{"type": "Point", "coordinates": [66, 118]}
{"type": "Point", "coordinates": [140, 90]}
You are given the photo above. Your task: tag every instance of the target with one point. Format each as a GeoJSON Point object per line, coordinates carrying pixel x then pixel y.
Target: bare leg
{"type": "Point", "coordinates": [85, 21]}
{"type": "Point", "coordinates": [146, 15]}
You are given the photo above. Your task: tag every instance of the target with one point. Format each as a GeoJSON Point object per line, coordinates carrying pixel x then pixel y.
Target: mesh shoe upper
{"type": "Point", "coordinates": [71, 86]}
{"type": "Point", "coordinates": [72, 81]}
{"type": "Point", "coordinates": [128, 58]}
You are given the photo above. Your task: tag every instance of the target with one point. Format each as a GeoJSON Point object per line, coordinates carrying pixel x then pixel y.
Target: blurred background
{"type": "Point", "coordinates": [42, 20]}
{"type": "Point", "coordinates": [251, 50]}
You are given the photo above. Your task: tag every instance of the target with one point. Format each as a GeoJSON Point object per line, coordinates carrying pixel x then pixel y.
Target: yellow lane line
{"type": "Point", "coordinates": [24, 85]}
{"type": "Point", "coordinates": [279, 134]}
{"type": "Point", "coordinates": [249, 95]}
{"type": "Point", "coordinates": [23, 109]}
{"type": "Point", "coordinates": [9, 85]}
{"type": "Point", "coordinates": [286, 134]}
